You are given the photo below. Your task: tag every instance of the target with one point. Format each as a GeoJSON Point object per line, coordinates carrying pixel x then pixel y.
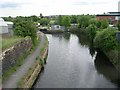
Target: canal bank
{"type": "Point", "coordinates": [106, 41]}
{"type": "Point", "coordinates": [30, 77]}
{"type": "Point", "coordinates": [26, 74]}
{"type": "Point", "coordinates": [52, 31]}
{"type": "Point", "coordinates": [72, 64]}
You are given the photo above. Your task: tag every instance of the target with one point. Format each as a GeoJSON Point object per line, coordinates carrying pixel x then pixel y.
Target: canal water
{"type": "Point", "coordinates": [73, 63]}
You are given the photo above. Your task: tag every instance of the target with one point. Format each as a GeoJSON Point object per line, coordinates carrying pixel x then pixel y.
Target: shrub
{"type": "Point", "coordinates": [106, 40]}
{"type": "Point", "coordinates": [26, 28]}
{"type": "Point", "coordinates": [91, 30]}
{"type": "Point", "coordinates": [104, 23]}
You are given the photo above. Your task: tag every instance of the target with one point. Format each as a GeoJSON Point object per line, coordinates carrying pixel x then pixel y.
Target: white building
{"type": "Point", "coordinates": [6, 28]}
{"type": "Point", "coordinates": [3, 27]}
{"type": "Point", "coordinates": [57, 27]}
{"type": "Point", "coordinates": [10, 27]}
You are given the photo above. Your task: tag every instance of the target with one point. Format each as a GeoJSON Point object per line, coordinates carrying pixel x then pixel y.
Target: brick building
{"type": "Point", "coordinates": [113, 17]}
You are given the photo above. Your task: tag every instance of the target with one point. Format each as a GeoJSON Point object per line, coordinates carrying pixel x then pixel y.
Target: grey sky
{"type": "Point", "coordinates": [56, 7]}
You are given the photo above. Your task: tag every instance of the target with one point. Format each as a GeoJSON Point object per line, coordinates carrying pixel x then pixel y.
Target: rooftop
{"type": "Point", "coordinates": [107, 15]}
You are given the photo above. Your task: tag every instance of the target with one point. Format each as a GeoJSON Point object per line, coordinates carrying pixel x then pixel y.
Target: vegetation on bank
{"type": "Point", "coordinates": [23, 28]}
{"type": "Point", "coordinates": [98, 32]}
{"type": "Point", "coordinates": [29, 78]}
{"type": "Point", "coordinates": [8, 42]}
{"type": "Point", "coordinates": [101, 36]}
{"type": "Point", "coordinates": [19, 62]}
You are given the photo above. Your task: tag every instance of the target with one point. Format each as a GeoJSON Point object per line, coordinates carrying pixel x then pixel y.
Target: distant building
{"type": "Point", "coordinates": [3, 27]}
{"type": "Point", "coordinates": [10, 27]}
{"type": "Point", "coordinates": [113, 17]}
{"type": "Point", "coordinates": [75, 25]}
{"type": "Point", "coordinates": [57, 27]}
{"type": "Point", "coordinates": [6, 28]}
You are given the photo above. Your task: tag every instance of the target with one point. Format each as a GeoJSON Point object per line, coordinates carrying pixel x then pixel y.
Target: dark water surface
{"type": "Point", "coordinates": [73, 63]}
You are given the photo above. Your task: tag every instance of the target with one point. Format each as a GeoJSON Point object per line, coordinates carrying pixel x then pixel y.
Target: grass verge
{"type": "Point", "coordinates": [8, 42]}
{"type": "Point", "coordinates": [19, 62]}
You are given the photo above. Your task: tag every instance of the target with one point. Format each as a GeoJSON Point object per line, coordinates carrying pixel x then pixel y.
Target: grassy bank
{"type": "Point", "coordinates": [114, 57]}
{"type": "Point", "coordinates": [104, 40]}
{"type": "Point", "coordinates": [20, 59]}
{"type": "Point", "coordinates": [8, 42]}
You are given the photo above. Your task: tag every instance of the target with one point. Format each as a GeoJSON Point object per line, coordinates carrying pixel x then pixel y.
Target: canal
{"type": "Point", "coordinates": [73, 63]}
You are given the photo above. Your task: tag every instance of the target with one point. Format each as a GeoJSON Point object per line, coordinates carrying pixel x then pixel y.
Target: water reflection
{"type": "Point", "coordinates": [92, 49]}
{"type": "Point", "coordinates": [84, 41]}
{"type": "Point", "coordinates": [69, 65]}
{"type": "Point", "coordinates": [66, 36]}
{"type": "Point", "coordinates": [102, 63]}
{"type": "Point", "coordinates": [104, 66]}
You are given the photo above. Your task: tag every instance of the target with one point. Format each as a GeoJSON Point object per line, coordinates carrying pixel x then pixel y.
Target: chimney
{"type": "Point", "coordinates": [119, 6]}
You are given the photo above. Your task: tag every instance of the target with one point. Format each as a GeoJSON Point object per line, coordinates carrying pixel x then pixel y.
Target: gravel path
{"type": "Point", "coordinates": [21, 71]}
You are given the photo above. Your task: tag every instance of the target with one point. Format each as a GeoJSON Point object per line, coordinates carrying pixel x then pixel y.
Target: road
{"type": "Point", "coordinates": [21, 71]}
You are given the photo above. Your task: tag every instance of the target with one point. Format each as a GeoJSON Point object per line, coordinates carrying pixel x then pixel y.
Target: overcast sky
{"type": "Point", "coordinates": [56, 7]}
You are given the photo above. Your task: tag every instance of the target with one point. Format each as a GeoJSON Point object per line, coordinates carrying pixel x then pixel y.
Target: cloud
{"type": "Point", "coordinates": [55, 7]}
{"type": "Point", "coordinates": [88, 3]}
{"type": "Point", "coordinates": [9, 5]}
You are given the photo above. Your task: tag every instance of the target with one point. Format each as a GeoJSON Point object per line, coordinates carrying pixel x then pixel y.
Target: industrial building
{"type": "Point", "coordinates": [113, 17]}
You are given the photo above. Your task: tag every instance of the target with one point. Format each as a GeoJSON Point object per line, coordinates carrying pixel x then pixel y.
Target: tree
{"type": "Point", "coordinates": [92, 31]}
{"type": "Point", "coordinates": [26, 28]}
{"type": "Point", "coordinates": [44, 21]}
{"type": "Point", "coordinates": [8, 18]}
{"type": "Point", "coordinates": [66, 21]}
{"type": "Point", "coordinates": [83, 21]}
{"type": "Point", "coordinates": [60, 20]}
{"type": "Point", "coordinates": [41, 16]}
{"type": "Point", "coordinates": [104, 23]}
{"type": "Point", "coordinates": [106, 40]}
{"type": "Point", "coordinates": [73, 19]}
{"type": "Point", "coordinates": [93, 21]}
{"type": "Point", "coordinates": [34, 18]}
{"type": "Point", "coordinates": [98, 24]}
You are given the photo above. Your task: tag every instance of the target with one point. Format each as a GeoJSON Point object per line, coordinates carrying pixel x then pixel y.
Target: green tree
{"type": "Point", "coordinates": [66, 21]}
{"type": "Point", "coordinates": [104, 23]}
{"type": "Point", "coordinates": [60, 20]}
{"type": "Point", "coordinates": [98, 24]}
{"type": "Point", "coordinates": [92, 31]}
{"type": "Point", "coordinates": [44, 21]}
{"type": "Point", "coordinates": [41, 16]}
{"type": "Point", "coordinates": [106, 40]}
{"type": "Point", "coordinates": [34, 18]}
{"type": "Point", "coordinates": [93, 21]}
{"type": "Point", "coordinates": [26, 28]}
{"type": "Point", "coordinates": [73, 19]}
{"type": "Point", "coordinates": [83, 21]}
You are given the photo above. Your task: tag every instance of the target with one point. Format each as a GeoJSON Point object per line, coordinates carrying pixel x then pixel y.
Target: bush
{"type": "Point", "coordinates": [26, 28]}
{"type": "Point", "coordinates": [104, 23]}
{"type": "Point", "coordinates": [106, 40]}
{"type": "Point", "coordinates": [91, 30]}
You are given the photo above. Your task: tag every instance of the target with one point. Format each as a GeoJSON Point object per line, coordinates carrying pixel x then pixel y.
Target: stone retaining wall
{"type": "Point", "coordinates": [11, 55]}
{"type": "Point", "coordinates": [30, 78]}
